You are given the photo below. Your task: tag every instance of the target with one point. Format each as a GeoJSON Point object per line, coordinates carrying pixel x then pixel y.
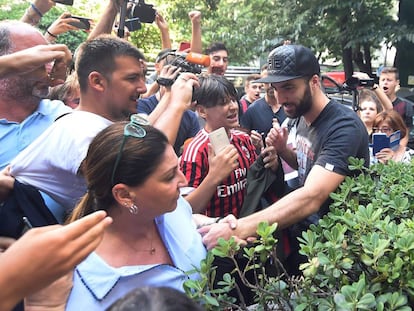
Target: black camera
{"type": "Point", "coordinates": [145, 12]}
{"type": "Point", "coordinates": [179, 60]}
{"type": "Point", "coordinates": [188, 62]}
{"type": "Point", "coordinates": [353, 83]}
{"type": "Point", "coordinates": [133, 24]}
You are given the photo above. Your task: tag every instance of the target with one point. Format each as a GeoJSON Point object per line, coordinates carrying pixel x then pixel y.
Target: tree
{"type": "Point", "coordinates": [345, 30]}
{"type": "Point", "coordinates": [405, 46]}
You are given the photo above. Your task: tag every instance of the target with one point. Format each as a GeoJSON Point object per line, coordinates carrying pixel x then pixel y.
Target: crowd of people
{"type": "Point", "coordinates": [119, 175]}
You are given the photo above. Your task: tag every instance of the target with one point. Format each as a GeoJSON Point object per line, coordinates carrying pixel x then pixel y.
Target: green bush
{"type": "Point", "coordinates": [360, 255]}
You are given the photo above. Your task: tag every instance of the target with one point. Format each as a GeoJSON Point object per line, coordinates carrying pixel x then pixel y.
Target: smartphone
{"type": "Point", "coordinates": [66, 2]}
{"type": "Point", "coordinates": [184, 46]}
{"type": "Point", "coordinates": [379, 142]}
{"type": "Point", "coordinates": [83, 22]}
{"type": "Point", "coordinates": [219, 139]}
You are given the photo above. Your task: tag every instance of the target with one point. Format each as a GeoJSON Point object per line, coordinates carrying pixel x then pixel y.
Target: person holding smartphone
{"type": "Point", "coordinates": [64, 23]}
{"type": "Point", "coordinates": [388, 122]}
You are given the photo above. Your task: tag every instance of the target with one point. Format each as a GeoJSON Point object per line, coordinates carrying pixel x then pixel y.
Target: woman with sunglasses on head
{"type": "Point", "coordinates": [389, 122]}
{"type": "Point", "coordinates": [132, 173]}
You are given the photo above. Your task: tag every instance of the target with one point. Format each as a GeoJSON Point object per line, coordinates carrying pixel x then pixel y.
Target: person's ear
{"type": "Point", "coordinates": [123, 195]}
{"type": "Point", "coordinates": [201, 110]}
{"type": "Point", "coordinates": [97, 81]}
{"type": "Point", "coordinates": [315, 82]}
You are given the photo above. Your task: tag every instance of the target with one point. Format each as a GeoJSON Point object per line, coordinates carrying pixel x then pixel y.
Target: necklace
{"type": "Point", "coordinates": [151, 249]}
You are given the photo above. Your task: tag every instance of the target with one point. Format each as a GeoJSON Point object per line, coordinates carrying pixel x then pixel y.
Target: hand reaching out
{"type": "Point", "coordinates": [257, 139]}
{"type": "Point", "coordinates": [44, 254]}
{"type": "Point", "coordinates": [277, 137]}
{"type": "Point", "coordinates": [270, 158]}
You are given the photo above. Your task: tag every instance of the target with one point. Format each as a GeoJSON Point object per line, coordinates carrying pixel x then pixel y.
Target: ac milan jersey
{"type": "Point", "coordinates": [229, 194]}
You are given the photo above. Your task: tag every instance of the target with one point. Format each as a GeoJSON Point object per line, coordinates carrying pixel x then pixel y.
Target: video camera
{"type": "Point", "coordinates": [137, 13]}
{"type": "Point", "coordinates": [145, 12]}
{"type": "Point", "coordinates": [353, 83]}
{"type": "Point", "coordinates": [188, 62]}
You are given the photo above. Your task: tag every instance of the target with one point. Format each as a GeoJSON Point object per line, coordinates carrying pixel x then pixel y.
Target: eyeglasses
{"type": "Point", "coordinates": [382, 129]}
{"type": "Point", "coordinates": [133, 128]}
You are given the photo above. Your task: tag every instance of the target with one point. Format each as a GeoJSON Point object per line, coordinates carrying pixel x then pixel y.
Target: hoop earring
{"type": "Point", "coordinates": [133, 209]}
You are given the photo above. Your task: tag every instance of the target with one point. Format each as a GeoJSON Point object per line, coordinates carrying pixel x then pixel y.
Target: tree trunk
{"type": "Point", "coordinates": [405, 49]}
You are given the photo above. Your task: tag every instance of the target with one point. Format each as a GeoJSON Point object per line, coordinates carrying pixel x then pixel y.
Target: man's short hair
{"type": "Point", "coordinates": [214, 47]}
{"type": "Point", "coordinates": [250, 78]}
{"type": "Point", "coordinates": [99, 54]}
{"type": "Point", "coordinates": [393, 70]}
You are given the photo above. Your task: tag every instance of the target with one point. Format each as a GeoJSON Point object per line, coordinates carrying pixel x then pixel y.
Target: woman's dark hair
{"type": "Point", "coordinates": [140, 157]}
{"type": "Point", "coordinates": [155, 299]}
{"type": "Point", "coordinates": [214, 90]}
{"type": "Point", "coordinates": [394, 119]}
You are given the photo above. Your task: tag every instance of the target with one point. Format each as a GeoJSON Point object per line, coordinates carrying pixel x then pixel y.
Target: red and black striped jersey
{"type": "Point", "coordinates": [229, 196]}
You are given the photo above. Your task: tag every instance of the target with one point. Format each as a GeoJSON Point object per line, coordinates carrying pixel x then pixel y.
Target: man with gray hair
{"type": "Point", "coordinates": [24, 113]}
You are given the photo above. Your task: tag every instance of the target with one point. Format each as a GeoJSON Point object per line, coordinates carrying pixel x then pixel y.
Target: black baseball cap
{"type": "Point", "coordinates": [288, 62]}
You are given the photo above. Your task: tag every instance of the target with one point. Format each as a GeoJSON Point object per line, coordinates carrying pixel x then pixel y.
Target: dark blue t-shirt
{"type": "Point", "coordinates": [189, 125]}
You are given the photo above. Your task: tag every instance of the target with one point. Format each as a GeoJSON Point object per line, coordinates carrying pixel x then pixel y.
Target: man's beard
{"type": "Point", "coordinates": [20, 90]}
{"type": "Point", "coordinates": [304, 105]}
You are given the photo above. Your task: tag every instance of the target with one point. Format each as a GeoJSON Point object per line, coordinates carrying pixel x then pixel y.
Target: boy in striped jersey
{"type": "Point", "coordinates": [219, 180]}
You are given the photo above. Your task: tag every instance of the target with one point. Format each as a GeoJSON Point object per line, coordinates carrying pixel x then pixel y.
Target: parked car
{"type": "Point", "coordinates": [336, 90]}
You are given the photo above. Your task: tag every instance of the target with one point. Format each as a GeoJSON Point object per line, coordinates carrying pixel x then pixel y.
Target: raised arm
{"type": "Point", "coordinates": [107, 19]}
{"type": "Point", "coordinates": [60, 26]}
{"type": "Point", "coordinates": [165, 32]}
{"type": "Point", "coordinates": [196, 43]}
{"type": "Point", "coordinates": [36, 10]}
{"type": "Point", "coordinates": [290, 209]}
{"type": "Point", "coordinates": [179, 100]}
{"type": "Point", "coordinates": [28, 60]}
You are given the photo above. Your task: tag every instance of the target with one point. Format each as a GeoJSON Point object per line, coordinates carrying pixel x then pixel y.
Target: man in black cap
{"type": "Point", "coordinates": [327, 135]}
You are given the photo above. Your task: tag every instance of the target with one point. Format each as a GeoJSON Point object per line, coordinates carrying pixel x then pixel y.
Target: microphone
{"type": "Point", "coordinates": [199, 59]}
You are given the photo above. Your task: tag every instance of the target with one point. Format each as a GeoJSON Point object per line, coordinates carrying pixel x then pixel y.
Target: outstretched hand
{"type": "Point", "coordinates": [44, 254]}
{"type": "Point", "coordinates": [211, 233]}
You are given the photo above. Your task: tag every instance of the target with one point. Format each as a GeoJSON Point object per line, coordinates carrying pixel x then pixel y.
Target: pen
{"type": "Point", "coordinates": [27, 222]}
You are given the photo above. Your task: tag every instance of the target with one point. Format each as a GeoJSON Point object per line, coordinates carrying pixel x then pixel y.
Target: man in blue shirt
{"type": "Point", "coordinates": [24, 115]}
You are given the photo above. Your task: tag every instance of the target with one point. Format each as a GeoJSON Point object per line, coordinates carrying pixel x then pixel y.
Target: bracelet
{"type": "Point", "coordinates": [32, 21]}
{"type": "Point", "coordinates": [51, 34]}
{"type": "Point", "coordinates": [36, 9]}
